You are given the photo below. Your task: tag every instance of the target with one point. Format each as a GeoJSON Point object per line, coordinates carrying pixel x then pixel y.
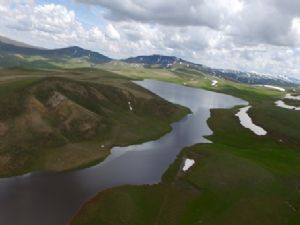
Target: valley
{"type": "Point", "coordinates": [123, 130]}
{"type": "Point", "coordinates": [236, 178]}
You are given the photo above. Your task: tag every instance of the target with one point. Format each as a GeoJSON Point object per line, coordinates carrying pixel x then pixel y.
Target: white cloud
{"type": "Point", "coordinates": [112, 32]}
{"type": "Point", "coordinates": [49, 18]}
{"type": "Point", "coordinates": [51, 25]}
{"type": "Point", "coordinates": [3, 9]}
{"type": "Point", "coordinates": [257, 35]}
{"type": "Point", "coordinates": [176, 13]}
{"type": "Point", "coordinates": [250, 22]}
{"type": "Point", "coordinates": [95, 34]}
{"type": "Point", "coordinates": [52, 18]}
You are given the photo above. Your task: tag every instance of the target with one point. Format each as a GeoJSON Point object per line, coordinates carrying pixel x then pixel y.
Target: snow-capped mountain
{"type": "Point", "coordinates": [234, 75]}
{"type": "Point", "coordinates": [12, 54]}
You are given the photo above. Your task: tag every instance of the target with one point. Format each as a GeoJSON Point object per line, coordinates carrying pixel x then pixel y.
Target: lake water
{"type": "Point", "coordinates": [53, 198]}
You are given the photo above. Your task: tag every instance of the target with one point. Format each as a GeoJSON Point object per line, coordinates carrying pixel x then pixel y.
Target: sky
{"type": "Point", "coordinates": [259, 35]}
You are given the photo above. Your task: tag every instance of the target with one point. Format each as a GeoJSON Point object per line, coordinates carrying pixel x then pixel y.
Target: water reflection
{"type": "Point", "coordinates": [52, 198]}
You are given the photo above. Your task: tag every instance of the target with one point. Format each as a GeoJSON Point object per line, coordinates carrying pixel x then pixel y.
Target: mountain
{"type": "Point", "coordinates": [161, 61]}
{"type": "Point", "coordinates": [52, 54]}
{"type": "Point", "coordinates": [156, 60]}
{"type": "Point", "coordinates": [14, 53]}
{"type": "Point", "coordinates": [252, 77]}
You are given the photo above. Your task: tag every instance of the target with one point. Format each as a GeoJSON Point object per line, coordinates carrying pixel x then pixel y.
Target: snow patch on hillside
{"type": "Point", "coordinates": [282, 104]}
{"type": "Point", "coordinates": [188, 163]}
{"type": "Point", "coordinates": [274, 87]}
{"type": "Point", "coordinates": [214, 83]}
{"type": "Point", "coordinates": [130, 107]}
{"type": "Point", "coordinates": [247, 122]}
{"type": "Point", "coordinates": [289, 96]}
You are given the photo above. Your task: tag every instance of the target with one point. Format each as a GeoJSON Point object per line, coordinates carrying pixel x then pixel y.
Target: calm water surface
{"type": "Point", "coordinates": [53, 198]}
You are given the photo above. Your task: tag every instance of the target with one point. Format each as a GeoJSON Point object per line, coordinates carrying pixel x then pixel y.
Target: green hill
{"type": "Point", "coordinates": [61, 122]}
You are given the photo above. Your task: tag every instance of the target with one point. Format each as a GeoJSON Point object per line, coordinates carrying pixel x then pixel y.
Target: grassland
{"type": "Point", "coordinates": [66, 119]}
{"type": "Point", "coordinates": [240, 178]}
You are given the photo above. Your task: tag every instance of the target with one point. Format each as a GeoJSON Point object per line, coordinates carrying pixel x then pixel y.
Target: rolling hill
{"type": "Point", "coordinates": [57, 121]}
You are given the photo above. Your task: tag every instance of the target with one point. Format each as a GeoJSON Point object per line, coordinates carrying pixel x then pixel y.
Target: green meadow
{"type": "Point", "coordinates": [240, 178]}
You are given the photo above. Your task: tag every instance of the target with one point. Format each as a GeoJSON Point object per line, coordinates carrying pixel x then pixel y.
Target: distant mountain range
{"type": "Point", "coordinates": [239, 76]}
{"type": "Point", "coordinates": [156, 60]}
{"type": "Point", "coordinates": [14, 53]}
{"type": "Point", "coordinates": [73, 52]}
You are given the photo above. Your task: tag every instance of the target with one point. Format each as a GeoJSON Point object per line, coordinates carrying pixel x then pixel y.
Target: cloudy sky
{"type": "Point", "coordinates": [256, 35]}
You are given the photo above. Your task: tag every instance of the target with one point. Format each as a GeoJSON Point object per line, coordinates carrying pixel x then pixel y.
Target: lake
{"type": "Point", "coordinates": [53, 198]}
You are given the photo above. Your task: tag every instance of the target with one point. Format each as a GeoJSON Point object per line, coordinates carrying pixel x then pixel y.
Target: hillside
{"type": "Point", "coordinates": [58, 123]}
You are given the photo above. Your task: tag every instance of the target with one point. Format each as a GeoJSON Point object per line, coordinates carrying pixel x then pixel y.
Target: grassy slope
{"type": "Point", "coordinates": [37, 136]}
{"type": "Point", "coordinates": [239, 179]}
